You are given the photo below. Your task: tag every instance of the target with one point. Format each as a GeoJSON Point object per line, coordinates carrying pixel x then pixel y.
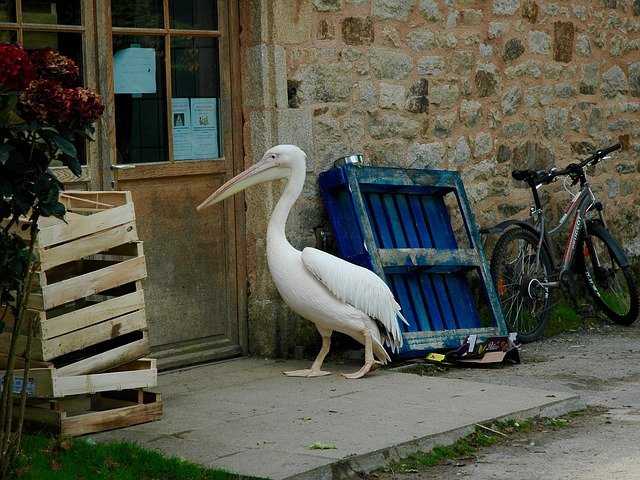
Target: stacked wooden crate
{"type": "Point", "coordinates": [87, 305]}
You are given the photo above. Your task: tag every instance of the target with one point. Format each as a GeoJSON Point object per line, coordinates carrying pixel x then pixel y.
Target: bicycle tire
{"type": "Point", "coordinates": [499, 270]}
{"type": "Point", "coordinates": [616, 255]}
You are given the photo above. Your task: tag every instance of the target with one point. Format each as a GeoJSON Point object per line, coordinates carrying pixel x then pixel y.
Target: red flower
{"type": "Point", "coordinates": [48, 102]}
{"type": "Point", "coordinates": [65, 108]}
{"type": "Point", "coordinates": [50, 64]}
{"type": "Point", "coordinates": [87, 105]}
{"type": "Point", "coordinates": [16, 70]}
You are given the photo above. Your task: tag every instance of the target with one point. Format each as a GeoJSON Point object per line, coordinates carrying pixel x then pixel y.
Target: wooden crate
{"type": "Point", "coordinates": [45, 381]}
{"type": "Point", "coordinates": [84, 414]}
{"type": "Point", "coordinates": [87, 301]}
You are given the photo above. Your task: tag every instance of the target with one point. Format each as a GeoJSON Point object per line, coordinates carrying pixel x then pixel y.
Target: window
{"type": "Point", "coordinates": [166, 80]}
{"type": "Point", "coordinates": [54, 24]}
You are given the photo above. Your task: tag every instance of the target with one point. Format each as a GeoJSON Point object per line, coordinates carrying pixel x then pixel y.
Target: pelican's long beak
{"type": "Point", "coordinates": [263, 171]}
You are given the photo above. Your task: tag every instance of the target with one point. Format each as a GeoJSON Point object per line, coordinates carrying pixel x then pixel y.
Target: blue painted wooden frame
{"type": "Point", "coordinates": [394, 221]}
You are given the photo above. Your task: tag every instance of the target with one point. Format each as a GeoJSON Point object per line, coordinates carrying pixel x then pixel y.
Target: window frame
{"type": "Point", "coordinates": [167, 33]}
{"type": "Point", "coordinates": [86, 29]}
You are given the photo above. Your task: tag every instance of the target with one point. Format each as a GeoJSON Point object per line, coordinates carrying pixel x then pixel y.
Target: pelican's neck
{"type": "Point", "coordinates": [278, 222]}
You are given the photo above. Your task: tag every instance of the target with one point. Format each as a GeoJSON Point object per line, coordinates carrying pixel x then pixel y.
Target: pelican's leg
{"type": "Point", "coordinates": [316, 367]}
{"type": "Point", "coordinates": [369, 360]}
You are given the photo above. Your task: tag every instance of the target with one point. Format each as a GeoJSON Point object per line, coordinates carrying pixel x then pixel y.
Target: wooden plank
{"type": "Point", "coordinates": [91, 315]}
{"type": "Point", "coordinates": [434, 179]}
{"type": "Point", "coordinates": [89, 245]}
{"type": "Point", "coordinates": [109, 359]}
{"type": "Point", "coordinates": [86, 225]}
{"type": "Point", "coordinates": [446, 259]}
{"type": "Point", "coordinates": [143, 171]}
{"type": "Point", "coordinates": [101, 382]}
{"type": "Point", "coordinates": [79, 198]}
{"type": "Point", "coordinates": [110, 419]}
{"type": "Point", "coordinates": [94, 282]}
{"type": "Point", "coordinates": [94, 334]}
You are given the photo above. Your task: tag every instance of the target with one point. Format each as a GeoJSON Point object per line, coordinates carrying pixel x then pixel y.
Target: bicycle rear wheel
{"type": "Point", "coordinates": [518, 273]}
{"type": "Point", "coordinates": [607, 275]}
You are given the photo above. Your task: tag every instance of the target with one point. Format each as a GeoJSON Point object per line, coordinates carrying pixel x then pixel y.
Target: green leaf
{"type": "Point", "coordinates": [322, 446]}
{"type": "Point", "coordinates": [5, 151]}
{"type": "Point", "coordinates": [65, 146]}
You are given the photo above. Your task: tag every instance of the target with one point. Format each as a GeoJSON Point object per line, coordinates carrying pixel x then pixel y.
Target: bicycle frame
{"type": "Point", "coordinates": [576, 210]}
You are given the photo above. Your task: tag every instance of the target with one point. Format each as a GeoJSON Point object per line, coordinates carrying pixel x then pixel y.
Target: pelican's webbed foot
{"type": "Point", "coordinates": [309, 373]}
{"type": "Point", "coordinates": [366, 368]}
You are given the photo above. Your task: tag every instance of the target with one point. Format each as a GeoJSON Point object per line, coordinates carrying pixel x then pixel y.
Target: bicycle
{"type": "Point", "coordinates": [526, 269]}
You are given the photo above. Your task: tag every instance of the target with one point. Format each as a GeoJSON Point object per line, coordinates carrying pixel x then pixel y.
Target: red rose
{"type": "Point", "coordinates": [50, 64]}
{"type": "Point", "coordinates": [16, 70]}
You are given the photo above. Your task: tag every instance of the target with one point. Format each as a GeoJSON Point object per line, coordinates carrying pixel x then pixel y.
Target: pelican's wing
{"type": "Point", "coordinates": [358, 287]}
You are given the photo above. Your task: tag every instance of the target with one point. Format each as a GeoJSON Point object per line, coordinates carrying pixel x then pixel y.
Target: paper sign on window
{"type": "Point", "coordinates": [134, 70]}
{"type": "Point", "coordinates": [195, 128]}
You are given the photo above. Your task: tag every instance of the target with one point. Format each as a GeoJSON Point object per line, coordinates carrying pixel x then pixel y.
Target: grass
{"type": "Point", "coordinates": [47, 458]}
{"type": "Point", "coordinates": [469, 446]}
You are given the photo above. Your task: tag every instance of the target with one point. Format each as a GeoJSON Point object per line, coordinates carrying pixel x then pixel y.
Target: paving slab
{"type": "Point", "coordinates": [245, 416]}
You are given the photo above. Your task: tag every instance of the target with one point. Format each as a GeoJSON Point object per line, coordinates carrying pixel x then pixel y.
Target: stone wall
{"type": "Point", "coordinates": [482, 87]}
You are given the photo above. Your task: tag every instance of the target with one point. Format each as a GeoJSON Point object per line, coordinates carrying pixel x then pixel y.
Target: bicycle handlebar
{"type": "Point", "coordinates": [547, 176]}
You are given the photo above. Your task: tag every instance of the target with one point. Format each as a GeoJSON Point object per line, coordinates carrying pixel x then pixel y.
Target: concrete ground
{"type": "Point", "coordinates": [603, 367]}
{"type": "Point", "coordinates": [245, 416]}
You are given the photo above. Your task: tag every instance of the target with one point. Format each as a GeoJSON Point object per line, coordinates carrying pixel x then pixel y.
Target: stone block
{"type": "Point", "coordinates": [505, 7]}
{"type": "Point", "coordinates": [533, 156]}
{"type": "Point", "coordinates": [391, 96]}
{"type": "Point", "coordinates": [482, 145]}
{"type": "Point", "coordinates": [460, 154]}
{"type": "Point", "coordinates": [392, 125]}
{"type": "Point", "coordinates": [470, 112]}
{"type": "Point", "coordinates": [259, 88]}
{"type": "Point", "coordinates": [486, 83]}
{"type": "Point", "coordinates": [357, 31]}
{"type": "Point", "coordinates": [389, 64]}
{"type": "Point", "coordinates": [430, 66]}
{"type": "Point", "coordinates": [513, 49]}
{"type": "Point", "coordinates": [326, 30]}
{"type": "Point", "coordinates": [292, 21]}
{"type": "Point", "coordinates": [325, 83]}
{"type": "Point", "coordinates": [539, 42]}
{"type": "Point", "coordinates": [634, 79]}
{"type": "Point", "coordinates": [444, 94]}
{"type": "Point", "coordinates": [444, 124]}
{"type": "Point", "coordinates": [417, 100]}
{"type": "Point", "coordinates": [471, 17]}
{"type": "Point", "coordinates": [421, 39]}
{"type": "Point", "coordinates": [511, 99]}
{"type": "Point", "coordinates": [590, 81]}
{"type": "Point", "coordinates": [426, 155]}
{"type": "Point", "coordinates": [327, 5]}
{"type": "Point", "coordinates": [563, 41]}
{"type": "Point", "coordinates": [430, 10]}
{"type": "Point", "coordinates": [393, 9]}
{"type": "Point", "coordinates": [530, 10]}
{"type": "Point", "coordinates": [294, 126]}
{"type": "Point", "coordinates": [614, 82]}
{"type": "Point", "coordinates": [583, 45]}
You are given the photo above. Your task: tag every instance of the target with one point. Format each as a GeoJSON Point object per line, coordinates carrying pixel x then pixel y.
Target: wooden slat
{"type": "Point", "coordinates": [94, 334]}
{"type": "Point", "coordinates": [89, 245]}
{"type": "Point", "coordinates": [86, 225]}
{"type": "Point", "coordinates": [173, 169]}
{"type": "Point", "coordinates": [102, 382]}
{"type": "Point", "coordinates": [110, 419]}
{"type": "Point", "coordinates": [429, 257]}
{"type": "Point", "coordinates": [107, 360]}
{"type": "Point", "coordinates": [94, 282]}
{"type": "Point", "coordinates": [431, 179]}
{"type": "Point", "coordinates": [85, 317]}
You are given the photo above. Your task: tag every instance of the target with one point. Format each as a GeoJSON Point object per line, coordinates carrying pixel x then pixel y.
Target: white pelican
{"type": "Point", "coordinates": [333, 294]}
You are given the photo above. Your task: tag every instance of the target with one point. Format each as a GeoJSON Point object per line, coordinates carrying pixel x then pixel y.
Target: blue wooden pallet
{"type": "Point", "coordinates": [395, 222]}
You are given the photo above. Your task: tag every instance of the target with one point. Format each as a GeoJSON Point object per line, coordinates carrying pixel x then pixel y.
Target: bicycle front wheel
{"type": "Point", "coordinates": [608, 275]}
{"type": "Point", "coordinates": [520, 274]}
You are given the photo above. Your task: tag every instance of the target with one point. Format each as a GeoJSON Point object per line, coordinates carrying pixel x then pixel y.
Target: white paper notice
{"type": "Point", "coordinates": [134, 70]}
{"type": "Point", "coordinates": [182, 133]}
{"type": "Point", "coordinates": [204, 125]}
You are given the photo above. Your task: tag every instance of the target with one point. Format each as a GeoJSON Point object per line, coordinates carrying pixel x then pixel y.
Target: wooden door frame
{"type": "Point", "coordinates": [232, 141]}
